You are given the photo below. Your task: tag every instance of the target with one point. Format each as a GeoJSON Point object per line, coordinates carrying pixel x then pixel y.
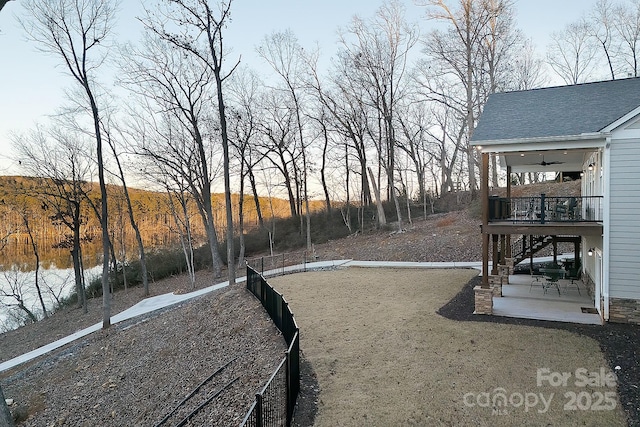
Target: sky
{"type": "Point", "coordinates": [32, 84]}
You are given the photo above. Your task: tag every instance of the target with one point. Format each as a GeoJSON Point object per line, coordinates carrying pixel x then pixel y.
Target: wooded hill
{"type": "Point", "coordinates": [30, 203]}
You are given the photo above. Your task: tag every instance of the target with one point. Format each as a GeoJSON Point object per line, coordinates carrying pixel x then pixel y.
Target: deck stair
{"type": "Point", "coordinates": [525, 247]}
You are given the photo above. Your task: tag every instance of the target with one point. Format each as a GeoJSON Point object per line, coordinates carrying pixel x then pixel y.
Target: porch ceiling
{"type": "Point", "coordinates": [545, 161]}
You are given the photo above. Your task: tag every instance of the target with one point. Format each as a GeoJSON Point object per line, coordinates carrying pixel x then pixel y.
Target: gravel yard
{"type": "Point", "coordinates": [383, 356]}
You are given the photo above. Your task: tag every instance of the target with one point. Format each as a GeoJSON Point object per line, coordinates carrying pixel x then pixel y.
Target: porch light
{"type": "Point", "coordinates": [590, 252]}
{"type": "Point", "coordinates": [590, 166]}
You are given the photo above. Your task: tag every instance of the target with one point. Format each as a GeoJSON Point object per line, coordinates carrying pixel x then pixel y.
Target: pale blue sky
{"type": "Point", "coordinates": [32, 84]}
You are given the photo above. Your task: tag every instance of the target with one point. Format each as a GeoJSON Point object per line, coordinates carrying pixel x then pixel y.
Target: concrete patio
{"type": "Point", "coordinates": [521, 299]}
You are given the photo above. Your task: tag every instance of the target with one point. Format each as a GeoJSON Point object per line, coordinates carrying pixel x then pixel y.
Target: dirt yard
{"type": "Point", "coordinates": [386, 358]}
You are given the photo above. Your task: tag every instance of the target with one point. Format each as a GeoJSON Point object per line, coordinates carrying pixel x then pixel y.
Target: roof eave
{"type": "Point", "coordinates": [584, 140]}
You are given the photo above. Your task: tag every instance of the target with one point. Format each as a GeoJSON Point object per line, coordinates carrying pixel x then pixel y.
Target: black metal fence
{"type": "Point", "coordinates": [274, 404]}
{"type": "Point", "coordinates": [273, 265]}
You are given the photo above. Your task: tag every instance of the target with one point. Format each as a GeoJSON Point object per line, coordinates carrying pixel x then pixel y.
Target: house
{"type": "Point", "coordinates": [592, 129]}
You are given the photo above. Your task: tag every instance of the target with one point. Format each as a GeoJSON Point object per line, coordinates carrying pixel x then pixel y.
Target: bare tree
{"type": "Point", "coordinates": [15, 293]}
{"type": "Point", "coordinates": [414, 140]}
{"type": "Point", "coordinates": [571, 54]}
{"type": "Point", "coordinates": [465, 62]}
{"type": "Point", "coordinates": [62, 161]}
{"type": "Point", "coordinates": [342, 101]}
{"type": "Point", "coordinates": [244, 118]}
{"type": "Point", "coordinates": [285, 56]}
{"type": "Point", "coordinates": [132, 221]}
{"type": "Point", "coordinates": [279, 143]}
{"type": "Point", "coordinates": [379, 53]}
{"type": "Point", "coordinates": [182, 223]}
{"type": "Point", "coordinates": [200, 34]}
{"type": "Point", "coordinates": [175, 92]}
{"type": "Point", "coordinates": [601, 26]}
{"type": "Point", "coordinates": [19, 204]}
{"type": "Point", "coordinates": [627, 24]}
{"type": "Point", "coordinates": [527, 71]}
{"type": "Point", "coordinates": [74, 30]}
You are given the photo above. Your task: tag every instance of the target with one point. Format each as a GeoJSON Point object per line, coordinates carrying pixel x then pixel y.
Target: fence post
{"type": "Point", "coordinates": [258, 410]}
{"type": "Point", "coordinates": [261, 265]}
{"type": "Point", "coordinates": [542, 208]}
{"type": "Point", "coordinates": [288, 385]}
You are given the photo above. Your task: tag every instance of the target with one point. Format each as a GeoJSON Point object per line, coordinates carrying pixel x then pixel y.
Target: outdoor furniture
{"type": "Point", "coordinates": [560, 211]}
{"type": "Point", "coordinates": [535, 279]}
{"type": "Point", "coordinates": [573, 208]}
{"type": "Point", "coordinates": [573, 275]}
{"type": "Point", "coordinates": [551, 278]}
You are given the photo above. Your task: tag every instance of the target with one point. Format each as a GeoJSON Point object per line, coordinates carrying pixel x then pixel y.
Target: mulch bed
{"type": "Point", "coordinates": [620, 343]}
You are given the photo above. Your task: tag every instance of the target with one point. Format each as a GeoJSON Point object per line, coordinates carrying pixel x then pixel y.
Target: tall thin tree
{"type": "Point", "coordinates": [75, 30]}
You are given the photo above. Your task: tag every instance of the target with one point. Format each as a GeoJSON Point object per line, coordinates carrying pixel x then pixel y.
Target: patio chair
{"type": "Point", "coordinates": [536, 279]}
{"type": "Point", "coordinates": [573, 208]}
{"type": "Point", "coordinates": [552, 278]}
{"type": "Point", "coordinates": [560, 211]}
{"type": "Point", "coordinates": [573, 277]}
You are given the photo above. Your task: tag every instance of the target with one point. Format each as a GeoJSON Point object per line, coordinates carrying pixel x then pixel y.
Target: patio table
{"type": "Point", "coordinates": [551, 278]}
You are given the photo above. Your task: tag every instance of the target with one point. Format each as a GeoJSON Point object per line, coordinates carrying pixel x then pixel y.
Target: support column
{"type": "Point", "coordinates": [508, 253]}
{"type": "Point", "coordinates": [484, 198]}
{"type": "Point", "coordinates": [494, 255]}
{"type": "Point", "coordinates": [484, 292]}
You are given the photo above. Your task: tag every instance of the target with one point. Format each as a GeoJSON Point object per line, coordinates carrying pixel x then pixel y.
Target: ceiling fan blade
{"type": "Point", "coordinates": [543, 163]}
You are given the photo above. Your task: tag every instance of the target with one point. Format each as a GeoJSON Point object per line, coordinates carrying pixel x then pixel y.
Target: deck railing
{"type": "Point", "coordinates": [542, 209]}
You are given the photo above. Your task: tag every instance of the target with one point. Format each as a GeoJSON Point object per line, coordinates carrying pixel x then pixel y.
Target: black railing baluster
{"type": "Point", "coordinates": [543, 209]}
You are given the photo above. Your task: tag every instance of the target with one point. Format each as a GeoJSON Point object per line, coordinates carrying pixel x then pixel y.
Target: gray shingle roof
{"type": "Point", "coordinates": [557, 111]}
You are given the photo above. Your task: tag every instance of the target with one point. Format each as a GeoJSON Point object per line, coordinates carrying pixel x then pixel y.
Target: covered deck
{"type": "Point", "coordinates": [516, 228]}
{"type": "Point", "coordinates": [525, 297]}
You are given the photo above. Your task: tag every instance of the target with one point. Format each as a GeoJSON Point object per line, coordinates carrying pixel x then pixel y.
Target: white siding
{"type": "Point", "coordinates": [624, 238]}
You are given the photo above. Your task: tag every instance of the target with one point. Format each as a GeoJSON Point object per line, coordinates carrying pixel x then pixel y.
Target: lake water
{"type": "Point", "coordinates": [54, 283]}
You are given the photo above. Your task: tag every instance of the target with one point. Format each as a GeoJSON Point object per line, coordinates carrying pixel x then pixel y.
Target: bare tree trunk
{"type": "Point", "coordinates": [134, 224]}
{"type": "Point", "coordinates": [184, 232]}
{"type": "Point", "coordinates": [256, 198]}
{"type": "Point", "coordinates": [382, 219]}
{"type": "Point", "coordinates": [241, 216]}
{"type": "Point", "coordinates": [494, 172]}
{"type": "Point", "coordinates": [36, 253]}
{"type": "Point", "coordinates": [323, 167]}
{"type": "Point", "coordinates": [77, 261]}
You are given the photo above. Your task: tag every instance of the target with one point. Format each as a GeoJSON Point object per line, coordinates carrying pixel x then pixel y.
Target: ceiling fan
{"type": "Point", "coordinates": [543, 163]}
